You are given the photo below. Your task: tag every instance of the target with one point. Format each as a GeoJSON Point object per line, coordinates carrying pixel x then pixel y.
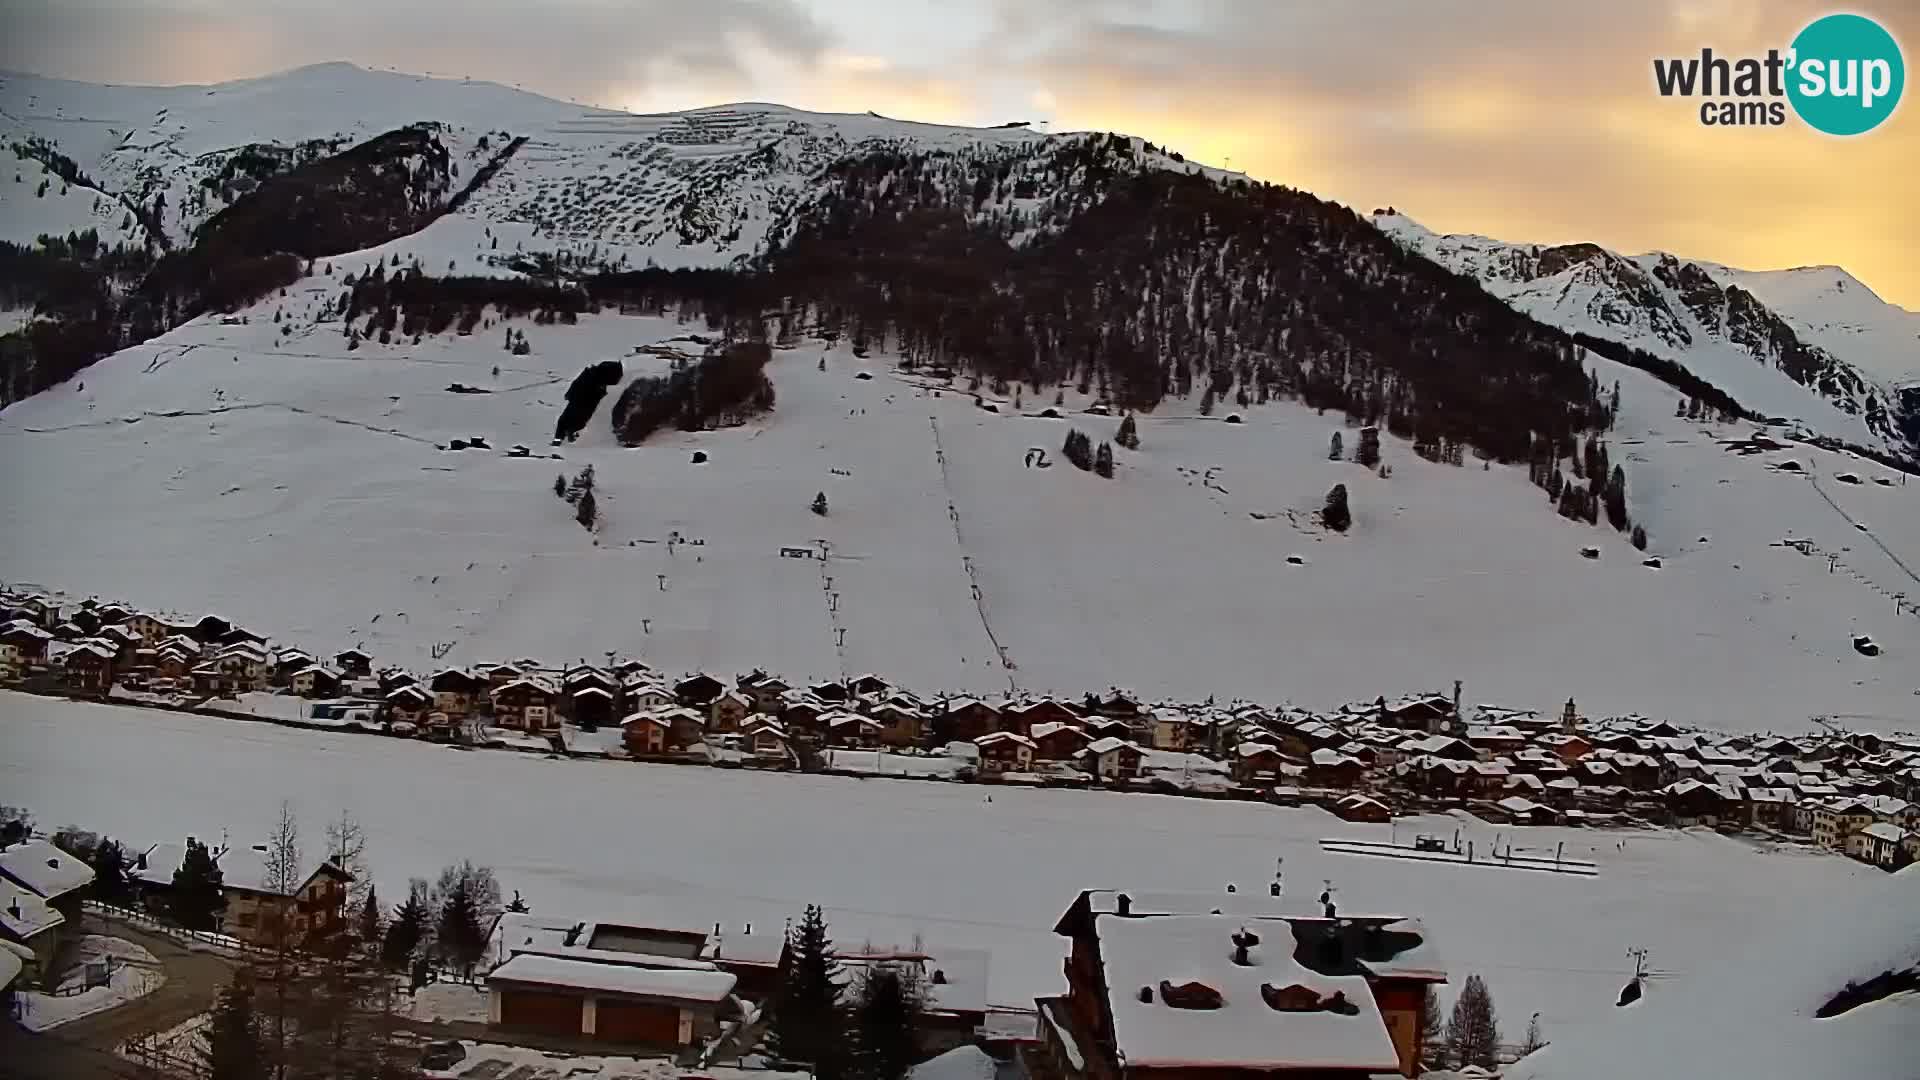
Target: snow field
{"type": "Point", "coordinates": [892, 859]}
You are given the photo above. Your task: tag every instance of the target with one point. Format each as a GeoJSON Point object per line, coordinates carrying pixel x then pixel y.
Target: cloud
{"type": "Point", "coordinates": [584, 49]}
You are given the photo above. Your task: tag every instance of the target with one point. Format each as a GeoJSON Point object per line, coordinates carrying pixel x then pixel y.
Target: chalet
{"type": "Point", "coordinates": [647, 732]}
{"type": "Point", "coordinates": [899, 726]}
{"type": "Point", "coordinates": [687, 728]}
{"type": "Point", "coordinates": [1495, 741]}
{"type": "Point", "coordinates": [1329, 768]}
{"type": "Point", "coordinates": [767, 691]}
{"type": "Point", "coordinates": [1441, 746]}
{"type": "Point", "coordinates": [1101, 727]}
{"type": "Point", "coordinates": [966, 719]}
{"type": "Point", "coordinates": [33, 609]}
{"type": "Point", "coordinates": [832, 693]}
{"type": "Point", "coordinates": [1057, 741]}
{"type": "Point", "coordinates": [628, 999]}
{"type": "Point", "coordinates": [26, 920]}
{"type": "Point", "coordinates": [1441, 777]}
{"type": "Point", "coordinates": [1171, 729]}
{"type": "Point", "coordinates": [1878, 844]}
{"type": "Point", "coordinates": [867, 685]}
{"type": "Point", "coordinates": [499, 675]}
{"type": "Point", "coordinates": [1433, 713]}
{"type": "Point", "coordinates": [266, 909]}
{"type": "Point", "coordinates": [455, 691]}
{"type": "Point", "coordinates": [408, 705]}
{"type": "Point", "coordinates": [353, 663]}
{"type": "Point", "coordinates": [698, 691]}
{"type": "Point", "coordinates": [1523, 811]}
{"type": "Point", "coordinates": [1112, 759]}
{"type": "Point", "coordinates": [527, 704]}
{"type": "Point", "coordinates": [22, 646]}
{"type": "Point", "coordinates": [394, 678]}
{"type": "Point", "coordinates": [757, 960]}
{"type": "Point", "coordinates": [581, 675]}
{"type": "Point", "coordinates": [1004, 752]}
{"type": "Point", "coordinates": [88, 668]}
{"type": "Point", "coordinates": [1254, 762]}
{"type": "Point", "coordinates": [84, 620]}
{"type": "Point", "coordinates": [766, 738]}
{"type": "Point", "coordinates": [954, 981]}
{"type": "Point", "coordinates": [591, 706]}
{"type": "Point", "coordinates": [288, 661]}
{"type": "Point", "coordinates": [728, 711]}
{"type": "Point", "coordinates": [314, 681]}
{"type": "Point", "coordinates": [1119, 705]}
{"type": "Point", "coordinates": [851, 731]}
{"type": "Point", "coordinates": [1691, 802]}
{"type": "Point", "coordinates": [1769, 807]}
{"type": "Point", "coordinates": [42, 888]}
{"type": "Point", "coordinates": [1023, 716]}
{"type": "Point", "coordinates": [645, 695]}
{"type": "Point", "coordinates": [1179, 993]}
{"type": "Point", "coordinates": [805, 719]}
{"type": "Point", "coordinates": [1363, 808]}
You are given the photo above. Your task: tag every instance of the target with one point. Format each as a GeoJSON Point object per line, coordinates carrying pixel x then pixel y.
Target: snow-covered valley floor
{"type": "Point", "coordinates": [264, 472]}
{"type": "Point", "coordinates": [894, 858]}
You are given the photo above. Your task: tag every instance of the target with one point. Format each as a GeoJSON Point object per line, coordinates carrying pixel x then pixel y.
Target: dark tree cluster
{"type": "Point", "coordinates": [1078, 450]}
{"type": "Point", "coordinates": [1604, 490]}
{"type": "Point", "coordinates": [1141, 284]}
{"type": "Point", "coordinates": [584, 396]}
{"type": "Point", "coordinates": [727, 386]}
{"type": "Point", "coordinates": [410, 303]}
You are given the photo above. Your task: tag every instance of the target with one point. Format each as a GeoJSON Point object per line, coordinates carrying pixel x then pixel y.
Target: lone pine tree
{"type": "Point", "coordinates": [1473, 1031]}
{"type": "Point", "coordinates": [1336, 449]}
{"type": "Point", "coordinates": [820, 504]}
{"type": "Point", "coordinates": [809, 1022]}
{"type": "Point", "coordinates": [1103, 461]}
{"type": "Point", "coordinates": [1128, 436]}
{"type": "Point", "coordinates": [196, 901]}
{"type": "Point", "coordinates": [1335, 515]}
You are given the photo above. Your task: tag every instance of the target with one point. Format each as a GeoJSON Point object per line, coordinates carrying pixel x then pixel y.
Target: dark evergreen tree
{"type": "Point", "coordinates": [1079, 450]}
{"type": "Point", "coordinates": [1103, 461]}
{"type": "Point", "coordinates": [809, 1022]}
{"type": "Point", "coordinates": [1473, 1031]}
{"type": "Point", "coordinates": [1640, 538]}
{"type": "Point", "coordinates": [1335, 451]}
{"type": "Point", "coordinates": [587, 510]}
{"type": "Point", "coordinates": [231, 1044]}
{"type": "Point", "coordinates": [110, 884]}
{"type": "Point", "coordinates": [195, 902]}
{"type": "Point", "coordinates": [1617, 499]}
{"type": "Point", "coordinates": [820, 504]}
{"type": "Point", "coordinates": [560, 486]}
{"type": "Point", "coordinates": [371, 928]}
{"type": "Point", "coordinates": [1206, 401]}
{"type": "Point", "coordinates": [1335, 515]}
{"type": "Point", "coordinates": [1556, 483]}
{"type": "Point", "coordinates": [460, 937]}
{"type": "Point", "coordinates": [1368, 452]}
{"type": "Point", "coordinates": [885, 1023]}
{"type": "Point", "coordinates": [1129, 435]}
{"type": "Point", "coordinates": [15, 825]}
{"type": "Point", "coordinates": [404, 934]}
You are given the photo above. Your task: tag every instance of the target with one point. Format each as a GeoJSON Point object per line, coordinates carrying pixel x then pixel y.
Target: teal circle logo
{"type": "Point", "coordinates": [1846, 76]}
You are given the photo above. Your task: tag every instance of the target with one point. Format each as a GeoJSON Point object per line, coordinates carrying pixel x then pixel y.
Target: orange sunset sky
{"type": "Point", "coordinates": [1519, 119]}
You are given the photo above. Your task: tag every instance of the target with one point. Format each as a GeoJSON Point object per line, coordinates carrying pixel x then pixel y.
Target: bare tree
{"type": "Point", "coordinates": [1473, 1031]}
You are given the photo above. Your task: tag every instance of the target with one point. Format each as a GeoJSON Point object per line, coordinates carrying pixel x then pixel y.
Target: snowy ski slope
{"type": "Point", "coordinates": [300, 488]}
{"type": "Point", "coordinates": [892, 859]}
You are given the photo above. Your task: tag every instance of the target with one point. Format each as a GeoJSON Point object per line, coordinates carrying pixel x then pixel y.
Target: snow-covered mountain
{"type": "Point", "coordinates": [288, 462]}
{"type": "Point", "coordinates": [1812, 344]}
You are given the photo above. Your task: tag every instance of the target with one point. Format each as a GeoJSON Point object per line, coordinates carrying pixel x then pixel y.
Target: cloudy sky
{"type": "Point", "coordinates": [1516, 118]}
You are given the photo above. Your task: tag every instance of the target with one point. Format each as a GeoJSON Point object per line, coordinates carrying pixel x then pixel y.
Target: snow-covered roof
{"type": "Point", "coordinates": [997, 737]}
{"type": "Point", "coordinates": [1881, 830]}
{"type": "Point", "coordinates": [1244, 1031]}
{"type": "Point", "coordinates": [247, 868]}
{"type": "Point", "coordinates": [1759, 1020]}
{"type": "Point", "coordinates": [759, 950]}
{"type": "Point", "coordinates": [45, 869]}
{"type": "Point", "coordinates": [649, 982]}
{"type": "Point", "coordinates": [23, 913]}
{"type": "Point", "coordinates": [1108, 745]}
{"type": "Point", "coordinates": [162, 860]}
{"type": "Point", "coordinates": [11, 964]}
